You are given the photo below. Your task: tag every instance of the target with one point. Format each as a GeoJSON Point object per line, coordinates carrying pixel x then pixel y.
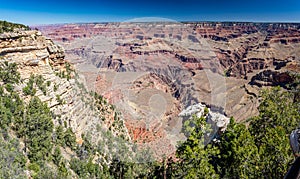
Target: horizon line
{"type": "Point", "coordinates": [171, 21]}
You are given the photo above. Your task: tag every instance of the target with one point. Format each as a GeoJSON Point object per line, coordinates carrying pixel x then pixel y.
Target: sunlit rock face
{"type": "Point", "coordinates": [217, 120]}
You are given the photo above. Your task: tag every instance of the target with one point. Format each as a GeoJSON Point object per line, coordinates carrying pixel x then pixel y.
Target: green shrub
{"type": "Point", "coordinates": [9, 72]}
{"type": "Point", "coordinates": [34, 167]}
{"type": "Point", "coordinates": [59, 100]}
{"type": "Point", "coordinates": [70, 138]}
{"type": "Point", "coordinates": [29, 89]}
{"type": "Point", "coordinates": [55, 87]}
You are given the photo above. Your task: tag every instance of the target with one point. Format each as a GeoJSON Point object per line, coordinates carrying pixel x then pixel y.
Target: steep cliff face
{"type": "Point", "coordinates": [61, 87]}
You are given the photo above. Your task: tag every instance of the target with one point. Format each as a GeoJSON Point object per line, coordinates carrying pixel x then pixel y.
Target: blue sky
{"type": "Point", "coordinates": [67, 11]}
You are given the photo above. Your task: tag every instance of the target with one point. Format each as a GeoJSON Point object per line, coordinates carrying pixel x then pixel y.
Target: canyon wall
{"type": "Point", "coordinates": [153, 71]}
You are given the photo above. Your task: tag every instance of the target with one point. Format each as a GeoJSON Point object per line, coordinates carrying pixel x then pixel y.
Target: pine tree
{"type": "Point", "coordinates": [39, 128]}
{"type": "Point", "coordinates": [195, 159]}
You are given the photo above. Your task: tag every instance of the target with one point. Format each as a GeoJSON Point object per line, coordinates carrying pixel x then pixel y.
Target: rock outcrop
{"type": "Point", "coordinates": [217, 120]}
{"type": "Point", "coordinates": [66, 94]}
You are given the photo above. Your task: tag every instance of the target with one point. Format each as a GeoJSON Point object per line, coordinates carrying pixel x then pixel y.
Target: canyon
{"type": "Point", "coordinates": [151, 72]}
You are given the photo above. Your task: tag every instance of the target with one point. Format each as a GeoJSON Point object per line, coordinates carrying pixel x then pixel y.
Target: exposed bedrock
{"type": "Point", "coordinates": [271, 78]}
{"type": "Point", "coordinates": [186, 54]}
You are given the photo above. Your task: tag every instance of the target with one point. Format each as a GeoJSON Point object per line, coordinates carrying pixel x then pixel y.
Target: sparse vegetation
{"type": "Point", "coordinates": [9, 27]}
{"type": "Point", "coordinates": [48, 83]}
{"type": "Point", "coordinates": [67, 73]}
{"type": "Point", "coordinates": [59, 100]}
{"type": "Point", "coordinates": [38, 81]}
{"type": "Point", "coordinates": [55, 87]}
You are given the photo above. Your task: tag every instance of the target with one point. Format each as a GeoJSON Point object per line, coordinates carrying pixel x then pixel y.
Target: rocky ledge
{"type": "Point", "coordinates": [63, 89]}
